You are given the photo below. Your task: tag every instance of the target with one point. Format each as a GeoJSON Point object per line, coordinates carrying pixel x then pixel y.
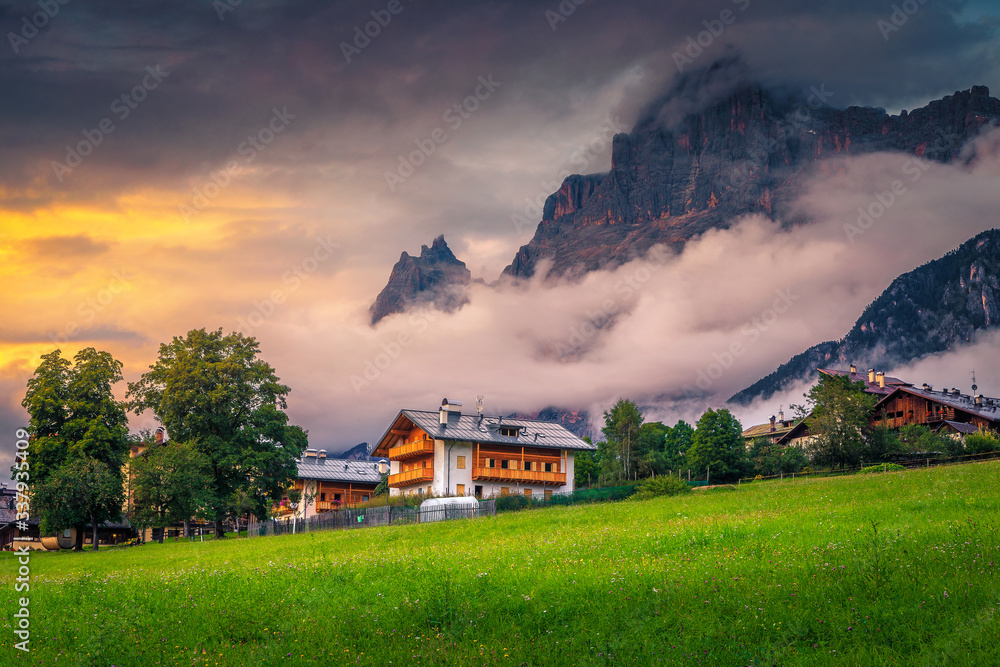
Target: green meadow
{"type": "Point", "coordinates": [886, 569]}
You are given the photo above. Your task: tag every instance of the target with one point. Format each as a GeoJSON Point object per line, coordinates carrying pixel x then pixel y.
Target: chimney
{"type": "Point", "coordinates": [321, 454]}
{"type": "Point", "coordinates": [979, 401]}
{"type": "Point", "coordinates": [310, 454]}
{"type": "Point", "coordinates": [781, 415]}
{"type": "Point", "coordinates": [854, 369]}
{"type": "Point", "coordinates": [449, 409]}
{"type": "Point", "coordinates": [880, 378]}
{"type": "Point", "coordinates": [871, 376]}
{"type": "Point", "coordinates": [383, 466]}
{"type": "Point", "coordinates": [159, 435]}
{"type": "Point", "coordinates": [927, 387]}
{"type": "Point", "coordinates": [772, 423]}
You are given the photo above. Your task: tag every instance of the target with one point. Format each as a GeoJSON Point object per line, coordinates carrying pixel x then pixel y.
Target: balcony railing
{"type": "Point", "coordinates": [412, 477]}
{"type": "Point", "coordinates": [411, 449]}
{"type": "Point", "coordinates": [523, 476]}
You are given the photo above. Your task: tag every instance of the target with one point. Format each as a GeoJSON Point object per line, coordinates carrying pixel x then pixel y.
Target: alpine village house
{"type": "Point", "coordinates": [945, 411]}
{"type": "Point", "coordinates": [446, 453]}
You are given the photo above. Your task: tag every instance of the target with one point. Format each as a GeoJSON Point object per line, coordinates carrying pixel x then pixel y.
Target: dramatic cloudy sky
{"type": "Point", "coordinates": [169, 218]}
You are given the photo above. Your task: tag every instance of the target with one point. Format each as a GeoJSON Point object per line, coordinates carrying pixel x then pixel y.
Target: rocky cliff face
{"type": "Point", "coordinates": [740, 151]}
{"type": "Point", "coordinates": [436, 277]}
{"type": "Point", "coordinates": [928, 310]}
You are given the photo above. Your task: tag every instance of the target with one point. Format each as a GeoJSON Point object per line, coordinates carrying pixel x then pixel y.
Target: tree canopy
{"type": "Point", "coordinates": [622, 424]}
{"type": "Point", "coordinates": [718, 445]}
{"type": "Point", "coordinates": [78, 435]}
{"type": "Point", "coordinates": [212, 389]}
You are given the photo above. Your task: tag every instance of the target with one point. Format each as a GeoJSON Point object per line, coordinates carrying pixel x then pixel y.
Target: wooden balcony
{"type": "Point", "coordinates": [324, 505]}
{"type": "Point", "coordinates": [412, 449]}
{"type": "Point", "coordinates": [411, 477]}
{"type": "Point", "coordinates": [522, 476]}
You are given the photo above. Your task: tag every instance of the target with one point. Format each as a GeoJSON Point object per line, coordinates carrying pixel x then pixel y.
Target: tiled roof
{"type": "Point", "coordinates": [473, 428]}
{"type": "Point", "coordinates": [891, 383]}
{"type": "Point", "coordinates": [762, 430]}
{"type": "Point", "coordinates": [339, 470]}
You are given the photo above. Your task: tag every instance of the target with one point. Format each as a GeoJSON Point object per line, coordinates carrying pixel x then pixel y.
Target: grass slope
{"type": "Point", "coordinates": [892, 569]}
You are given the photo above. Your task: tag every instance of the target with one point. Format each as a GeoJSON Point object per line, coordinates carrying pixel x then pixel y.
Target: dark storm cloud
{"type": "Point", "coordinates": [225, 76]}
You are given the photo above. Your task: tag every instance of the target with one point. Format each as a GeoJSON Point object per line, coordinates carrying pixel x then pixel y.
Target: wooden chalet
{"type": "Point", "coordinates": [947, 409]}
{"type": "Point", "coordinates": [446, 453]}
{"type": "Point", "coordinates": [331, 484]}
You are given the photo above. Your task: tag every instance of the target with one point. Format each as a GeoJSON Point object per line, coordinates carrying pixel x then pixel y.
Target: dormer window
{"type": "Point", "coordinates": [508, 431]}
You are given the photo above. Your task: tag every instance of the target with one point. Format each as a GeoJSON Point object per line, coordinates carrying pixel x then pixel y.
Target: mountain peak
{"type": "Point", "coordinates": [435, 277]}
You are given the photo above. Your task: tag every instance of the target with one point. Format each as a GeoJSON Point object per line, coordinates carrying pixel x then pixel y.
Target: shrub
{"type": "Point", "coordinates": [512, 502]}
{"type": "Point", "coordinates": [981, 443]}
{"type": "Point", "coordinates": [882, 467]}
{"type": "Point", "coordinates": [661, 486]}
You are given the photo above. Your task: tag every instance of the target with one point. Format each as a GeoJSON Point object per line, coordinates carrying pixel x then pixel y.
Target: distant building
{"type": "Point", "coordinates": [446, 453]}
{"type": "Point", "coordinates": [900, 403]}
{"type": "Point", "coordinates": [329, 484]}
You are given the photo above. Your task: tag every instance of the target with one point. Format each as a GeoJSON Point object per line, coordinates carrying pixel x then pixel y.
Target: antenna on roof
{"type": "Point", "coordinates": [974, 387]}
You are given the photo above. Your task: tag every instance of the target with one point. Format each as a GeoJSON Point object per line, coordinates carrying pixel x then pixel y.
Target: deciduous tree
{"type": "Point", "coordinates": [718, 446]}
{"type": "Point", "coordinates": [74, 417]}
{"type": "Point", "coordinates": [213, 389]}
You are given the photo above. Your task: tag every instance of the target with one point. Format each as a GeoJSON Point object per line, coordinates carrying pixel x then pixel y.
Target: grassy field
{"type": "Point", "coordinates": [891, 569]}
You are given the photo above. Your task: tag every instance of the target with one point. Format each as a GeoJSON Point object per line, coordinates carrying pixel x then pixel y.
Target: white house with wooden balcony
{"type": "Point", "coordinates": [446, 453]}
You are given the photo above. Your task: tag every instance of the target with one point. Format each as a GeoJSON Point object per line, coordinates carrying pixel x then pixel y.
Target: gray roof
{"type": "Point", "coordinates": [990, 408]}
{"type": "Point", "coordinates": [472, 428]}
{"type": "Point", "coordinates": [960, 427]}
{"type": "Point", "coordinates": [339, 470]}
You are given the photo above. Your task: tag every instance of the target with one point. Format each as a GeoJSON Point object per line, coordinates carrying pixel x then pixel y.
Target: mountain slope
{"type": "Point", "coordinates": [934, 308]}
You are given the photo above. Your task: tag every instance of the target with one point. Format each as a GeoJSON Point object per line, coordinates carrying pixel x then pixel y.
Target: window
{"type": "Point", "coordinates": [548, 494]}
{"type": "Point", "coordinates": [527, 465]}
{"type": "Point", "coordinates": [423, 464]}
{"type": "Point", "coordinates": [527, 493]}
{"type": "Point", "coordinates": [322, 497]}
{"type": "Point", "coordinates": [548, 467]}
{"type": "Point", "coordinates": [420, 490]}
{"type": "Point", "coordinates": [364, 499]}
{"type": "Point", "coordinates": [336, 497]}
{"type": "Point", "coordinates": [504, 490]}
{"type": "Point", "coordinates": [461, 463]}
{"type": "Point", "coordinates": [508, 431]}
{"type": "Point", "coordinates": [460, 489]}
{"type": "Point", "coordinates": [479, 491]}
{"type": "Point", "coordinates": [505, 464]}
